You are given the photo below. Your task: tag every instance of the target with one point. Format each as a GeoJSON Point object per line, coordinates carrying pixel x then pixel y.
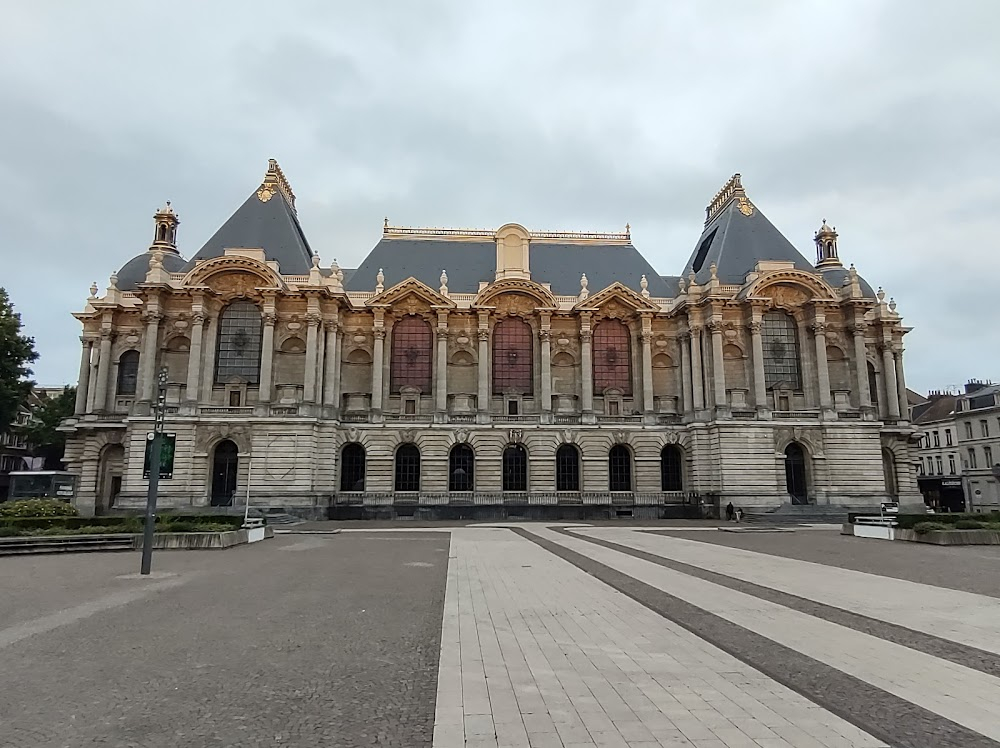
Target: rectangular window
{"type": "Point", "coordinates": [984, 428]}
{"type": "Point", "coordinates": [972, 458]}
{"type": "Point", "coordinates": [947, 437]}
{"type": "Point", "coordinates": [951, 464]}
{"type": "Point", "coordinates": [920, 467]}
{"type": "Point", "coordinates": [234, 399]}
{"type": "Point", "coordinates": [968, 430]}
{"type": "Point", "coordinates": [512, 407]}
{"type": "Point", "coordinates": [939, 467]}
{"type": "Point", "coordinates": [937, 439]}
{"type": "Point", "coordinates": [988, 456]}
{"type": "Point", "coordinates": [410, 407]}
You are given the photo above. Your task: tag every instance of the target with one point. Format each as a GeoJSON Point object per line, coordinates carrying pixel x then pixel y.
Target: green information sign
{"type": "Point", "coordinates": [167, 445]}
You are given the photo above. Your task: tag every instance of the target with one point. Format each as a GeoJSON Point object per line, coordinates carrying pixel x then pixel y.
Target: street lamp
{"type": "Point", "coordinates": [155, 450]}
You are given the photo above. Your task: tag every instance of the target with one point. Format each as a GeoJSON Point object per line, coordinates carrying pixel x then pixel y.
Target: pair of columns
{"type": "Point", "coordinates": [692, 375]}
{"type": "Point", "coordinates": [321, 380]}
{"type": "Point", "coordinates": [95, 373]}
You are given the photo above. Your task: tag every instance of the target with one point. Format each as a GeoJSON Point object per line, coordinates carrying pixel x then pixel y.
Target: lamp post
{"type": "Point", "coordinates": [156, 448]}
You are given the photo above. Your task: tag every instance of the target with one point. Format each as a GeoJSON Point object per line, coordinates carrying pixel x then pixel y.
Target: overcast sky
{"type": "Point", "coordinates": [883, 117]}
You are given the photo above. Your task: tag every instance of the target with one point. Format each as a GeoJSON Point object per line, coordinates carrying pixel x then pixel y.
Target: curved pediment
{"type": "Point", "coordinates": [790, 289]}
{"type": "Point", "coordinates": [234, 275]}
{"type": "Point", "coordinates": [413, 293]}
{"type": "Point", "coordinates": [617, 300]}
{"type": "Point", "coordinates": [537, 295]}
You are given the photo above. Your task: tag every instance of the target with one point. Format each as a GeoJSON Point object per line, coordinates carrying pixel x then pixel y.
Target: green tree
{"type": "Point", "coordinates": [41, 432]}
{"type": "Point", "coordinates": [16, 352]}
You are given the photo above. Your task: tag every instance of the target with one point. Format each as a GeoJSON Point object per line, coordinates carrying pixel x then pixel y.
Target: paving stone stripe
{"type": "Point", "coordinates": [960, 654]}
{"type": "Point", "coordinates": [879, 713]}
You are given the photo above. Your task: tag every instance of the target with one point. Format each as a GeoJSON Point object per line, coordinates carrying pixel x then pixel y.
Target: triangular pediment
{"type": "Point", "coordinates": [617, 294]}
{"type": "Point", "coordinates": [411, 288]}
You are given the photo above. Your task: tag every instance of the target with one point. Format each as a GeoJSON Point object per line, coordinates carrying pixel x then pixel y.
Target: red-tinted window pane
{"type": "Point", "coordinates": [612, 357]}
{"type": "Point", "coordinates": [412, 347]}
{"type": "Point", "coordinates": [512, 357]}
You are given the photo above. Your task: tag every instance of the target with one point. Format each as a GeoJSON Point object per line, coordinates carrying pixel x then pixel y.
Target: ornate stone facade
{"type": "Point", "coordinates": [523, 395]}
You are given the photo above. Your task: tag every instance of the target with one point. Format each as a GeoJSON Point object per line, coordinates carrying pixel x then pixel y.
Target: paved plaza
{"type": "Point", "coordinates": [529, 635]}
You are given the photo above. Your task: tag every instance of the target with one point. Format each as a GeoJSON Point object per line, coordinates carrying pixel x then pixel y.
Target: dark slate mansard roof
{"type": "Point", "coordinates": [134, 271]}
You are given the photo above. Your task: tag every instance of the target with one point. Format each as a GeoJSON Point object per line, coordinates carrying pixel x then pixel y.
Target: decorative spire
{"type": "Point", "coordinates": [165, 235]}
{"type": "Point", "coordinates": [826, 247]}
{"type": "Point", "coordinates": [644, 285]}
{"type": "Point", "coordinates": [732, 191]}
{"type": "Point", "coordinates": [385, 225]}
{"type": "Point", "coordinates": [380, 281]}
{"type": "Point", "coordinates": [628, 231]}
{"type": "Point", "coordinates": [275, 182]}
{"type": "Point", "coordinates": [444, 283]}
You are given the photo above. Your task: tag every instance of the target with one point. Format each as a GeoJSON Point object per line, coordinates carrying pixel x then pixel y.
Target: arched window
{"type": "Point", "coordinates": [889, 470]}
{"type": "Point", "coordinates": [795, 473]}
{"type": "Point", "coordinates": [779, 336]}
{"type": "Point", "coordinates": [872, 384]}
{"type": "Point", "coordinates": [408, 468]}
{"type": "Point", "coordinates": [612, 357]}
{"type": "Point", "coordinates": [412, 348]}
{"type": "Point", "coordinates": [238, 352]}
{"type": "Point", "coordinates": [671, 469]}
{"type": "Point", "coordinates": [128, 373]}
{"type": "Point", "coordinates": [461, 468]}
{"type": "Point", "coordinates": [512, 346]}
{"type": "Point", "coordinates": [225, 464]}
{"type": "Point", "coordinates": [515, 468]}
{"type": "Point", "coordinates": [352, 467]}
{"type": "Point", "coordinates": [619, 468]}
{"type": "Point", "coordinates": [567, 468]}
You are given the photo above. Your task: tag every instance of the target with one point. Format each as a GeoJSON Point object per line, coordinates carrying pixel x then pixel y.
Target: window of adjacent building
{"type": "Point", "coordinates": [781, 350]}
{"type": "Point", "coordinates": [128, 373]}
{"type": "Point", "coordinates": [988, 456]}
{"type": "Point", "coordinates": [567, 468]}
{"type": "Point", "coordinates": [461, 468]}
{"type": "Point", "coordinates": [972, 458]}
{"type": "Point", "coordinates": [407, 468]}
{"type": "Point", "coordinates": [968, 430]}
{"type": "Point", "coordinates": [515, 468]}
{"type": "Point", "coordinates": [984, 428]}
{"type": "Point", "coordinates": [940, 469]}
{"type": "Point", "coordinates": [947, 437]}
{"type": "Point", "coordinates": [239, 345]}
{"type": "Point", "coordinates": [410, 358]}
{"type": "Point", "coordinates": [352, 467]}
{"type": "Point", "coordinates": [619, 468]}
{"type": "Point", "coordinates": [920, 467]}
{"type": "Point", "coordinates": [512, 353]}
{"type": "Point", "coordinates": [937, 439]}
{"type": "Point", "coordinates": [951, 464]}
{"type": "Point", "coordinates": [671, 475]}
{"type": "Point", "coordinates": [612, 357]}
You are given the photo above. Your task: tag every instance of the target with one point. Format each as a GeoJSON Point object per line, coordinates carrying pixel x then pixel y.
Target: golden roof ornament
{"type": "Point", "coordinates": [275, 182]}
{"type": "Point", "coordinates": [732, 191]}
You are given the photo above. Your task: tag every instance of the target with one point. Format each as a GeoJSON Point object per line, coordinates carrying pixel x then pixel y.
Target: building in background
{"type": "Point", "coordinates": [939, 462]}
{"type": "Point", "coordinates": [978, 423]}
{"type": "Point", "coordinates": [494, 373]}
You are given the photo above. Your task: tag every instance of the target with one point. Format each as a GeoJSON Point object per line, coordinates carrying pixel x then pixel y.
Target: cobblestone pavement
{"type": "Point", "coordinates": [296, 641]}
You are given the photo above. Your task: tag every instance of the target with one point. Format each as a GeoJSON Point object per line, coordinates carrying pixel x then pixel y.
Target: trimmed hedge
{"type": "Point", "coordinates": [910, 521]}
{"type": "Point", "coordinates": [122, 524]}
{"type": "Point", "coordinates": [37, 508]}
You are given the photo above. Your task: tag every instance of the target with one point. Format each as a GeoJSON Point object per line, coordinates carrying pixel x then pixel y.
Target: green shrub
{"type": "Point", "coordinates": [969, 524]}
{"type": "Point", "coordinates": [9, 532]}
{"type": "Point", "coordinates": [910, 521]}
{"type": "Point", "coordinates": [922, 528]}
{"type": "Point", "coordinates": [37, 508]}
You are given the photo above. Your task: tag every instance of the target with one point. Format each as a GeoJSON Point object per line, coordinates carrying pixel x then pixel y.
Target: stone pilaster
{"type": "Point", "coordinates": [441, 368]}
{"type": "Point", "coordinates": [822, 366]}
{"type": "Point", "coordinates": [718, 366]}
{"type": "Point", "coordinates": [685, 345]}
{"type": "Point", "coordinates": [378, 363]}
{"type": "Point", "coordinates": [266, 358]}
{"type": "Point", "coordinates": [194, 356]}
{"type": "Point", "coordinates": [331, 390]}
{"type": "Point", "coordinates": [861, 364]}
{"type": "Point", "coordinates": [83, 383]}
{"type": "Point", "coordinates": [208, 372]}
{"type": "Point", "coordinates": [147, 360]}
{"type": "Point", "coordinates": [889, 377]}
{"type": "Point", "coordinates": [483, 367]}
{"type": "Point", "coordinates": [697, 381]}
{"type": "Point", "coordinates": [757, 353]}
{"type": "Point", "coordinates": [904, 403]}
{"type": "Point", "coordinates": [545, 341]}
{"type": "Point", "coordinates": [309, 383]}
{"type": "Point", "coordinates": [586, 365]}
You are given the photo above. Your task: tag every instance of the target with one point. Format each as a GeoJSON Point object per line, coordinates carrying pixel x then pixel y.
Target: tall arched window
{"type": "Point", "coordinates": [889, 471]}
{"type": "Point", "coordinates": [412, 349]}
{"type": "Point", "coordinates": [671, 469]}
{"type": "Point", "coordinates": [779, 336]}
{"type": "Point", "coordinates": [619, 468]}
{"type": "Point", "coordinates": [461, 468]}
{"type": "Point", "coordinates": [512, 346]}
{"type": "Point", "coordinates": [567, 468]}
{"type": "Point", "coordinates": [408, 468]}
{"type": "Point", "coordinates": [128, 373]}
{"type": "Point", "coordinates": [515, 468]}
{"type": "Point", "coordinates": [612, 357]}
{"type": "Point", "coordinates": [795, 473]}
{"type": "Point", "coordinates": [873, 384]}
{"type": "Point", "coordinates": [238, 351]}
{"type": "Point", "coordinates": [352, 467]}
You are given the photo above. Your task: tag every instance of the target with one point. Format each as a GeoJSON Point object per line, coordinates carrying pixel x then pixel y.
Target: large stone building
{"type": "Point", "coordinates": [503, 372]}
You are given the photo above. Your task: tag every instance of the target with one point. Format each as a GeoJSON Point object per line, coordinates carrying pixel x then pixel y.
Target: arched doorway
{"type": "Point", "coordinates": [889, 471]}
{"type": "Point", "coordinates": [620, 469]}
{"type": "Point", "coordinates": [567, 468]}
{"type": "Point", "coordinates": [795, 473]}
{"type": "Point", "coordinates": [352, 467]}
{"type": "Point", "coordinates": [224, 466]}
{"type": "Point", "coordinates": [671, 469]}
{"type": "Point", "coordinates": [515, 468]}
{"type": "Point", "coordinates": [407, 468]}
{"type": "Point", "coordinates": [461, 468]}
{"type": "Point", "coordinates": [109, 477]}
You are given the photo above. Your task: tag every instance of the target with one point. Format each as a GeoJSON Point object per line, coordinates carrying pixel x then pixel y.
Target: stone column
{"type": "Point", "coordinates": [889, 377]}
{"type": "Point", "coordinates": [309, 385]}
{"type": "Point", "coordinates": [147, 359]}
{"type": "Point", "coordinates": [320, 356]}
{"type": "Point", "coordinates": [194, 357]}
{"type": "Point", "coordinates": [822, 367]}
{"type": "Point", "coordinates": [904, 403]}
{"type": "Point", "coordinates": [861, 364]}
{"type": "Point", "coordinates": [266, 359]}
{"type": "Point", "coordinates": [92, 388]}
{"type": "Point", "coordinates": [104, 372]}
{"type": "Point", "coordinates": [331, 396]}
{"type": "Point", "coordinates": [718, 366]}
{"type": "Point", "coordinates": [377, 364]}
{"type": "Point", "coordinates": [757, 350]}
{"type": "Point", "coordinates": [208, 373]}
{"type": "Point", "coordinates": [697, 382]}
{"type": "Point", "coordinates": [83, 383]}
{"type": "Point", "coordinates": [441, 369]}
{"type": "Point", "coordinates": [483, 367]}
{"type": "Point", "coordinates": [545, 338]}
{"type": "Point", "coordinates": [586, 365]}
{"type": "Point", "coordinates": [805, 364]}
{"type": "Point", "coordinates": [685, 343]}
{"type": "Point", "coordinates": [646, 340]}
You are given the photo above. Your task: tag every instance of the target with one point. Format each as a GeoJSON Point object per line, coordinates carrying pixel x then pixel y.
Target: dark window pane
{"type": "Point", "coordinates": [671, 477]}
{"type": "Point", "coordinates": [128, 372]}
{"type": "Point", "coordinates": [512, 346]}
{"type": "Point", "coordinates": [412, 348]}
{"type": "Point", "coordinates": [779, 337]}
{"type": "Point", "coordinates": [352, 467]}
{"type": "Point", "coordinates": [515, 468]}
{"type": "Point", "coordinates": [612, 357]}
{"type": "Point", "coordinates": [461, 468]}
{"type": "Point", "coordinates": [620, 469]}
{"type": "Point", "coordinates": [408, 468]}
{"type": "Point", "coordinates": [238, 353]}
{"type": "Point", "coordinates": [567, 468]}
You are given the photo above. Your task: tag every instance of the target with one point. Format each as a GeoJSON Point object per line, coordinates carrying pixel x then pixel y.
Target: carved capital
{"type": "Point", "coordinates": [818, 328]}
{"type": "Point", "coordinates": [755, 327]}
{"type": "Point", "coordinates": [269, 319]}
{"type": "Point", "coordinates": [859, 329]}
{"type": "Point", "coordinates": [586, 337]}
{"type": "Point", "coordinates": [545, 335]}
{"type": "Point", "coordinates": [152, 318]}
{"type": "Point", "coordinates": [442, 333]}
{"type": "Point", "coordinates": [313, 319]}
{"type": "Point", "coordinates": [715, 326]}
{"type": "Point", "coordinates": [645, 338]}
{"type": "Point", "coordinates": [379, 333]}
{"type": "Point", "coordinates": [108, 335]}
{"type": "Point", "coordinates": [198, 319]}
{"type": "Point", "coordinates": [484, 335]}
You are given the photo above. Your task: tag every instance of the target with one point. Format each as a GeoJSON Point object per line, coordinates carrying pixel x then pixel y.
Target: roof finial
{"type": "Point", "coordinates": [644, 285]}
{"type": "Point", "coordinates": [275, 182]}
{"type": "Point", "coordinates": [444, 283]}
{"type": "Point", "coordinates": [628, 230]}
{"type": "Point", "coordinates": [380, 281]}
{"type": "Point", "coordinates": [385, 225]}
{"type": "Point", "coordinates": [93, 290]}
{"type": "Point", "coordinates": [584, 293]}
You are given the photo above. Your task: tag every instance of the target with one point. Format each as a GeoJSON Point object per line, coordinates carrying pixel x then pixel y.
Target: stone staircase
{"type": "Point", "coordinates": [65, 544]}
{"type": "Point", "coordinates": [275, 515]}
{"type": "Point", "coordinates": [795, 514]}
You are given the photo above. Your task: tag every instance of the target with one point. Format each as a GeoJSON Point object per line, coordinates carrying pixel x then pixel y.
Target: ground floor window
{"type": "Point", "coordinates": [352, 468]}
{"type": "Point", "coordinates": [671, 477]}
{"type": "Point", "coordinates": [408, 468]}
{"type": "Point", "coordinates": [461, 468]}
{"type": "Point", "coordinates": [620, 468]}
{"type": "Point", "coordinates": [567, 468]}
{"type": "Point", "coordinates": [515, 468]}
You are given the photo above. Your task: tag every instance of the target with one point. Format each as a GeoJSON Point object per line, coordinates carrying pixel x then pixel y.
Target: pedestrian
{"type": "Point", "coordinates": [739, 514]}
{"type": "Point", "coordinates": [729, 512]}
